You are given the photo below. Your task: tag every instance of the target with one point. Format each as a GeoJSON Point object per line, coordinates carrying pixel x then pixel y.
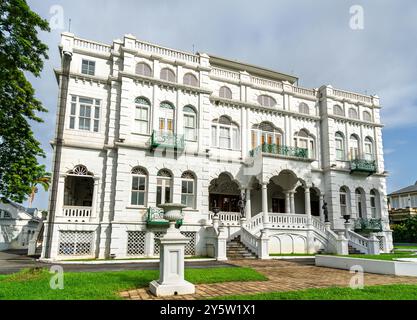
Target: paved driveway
{"type": "Point", "coordinates": [12, 261]}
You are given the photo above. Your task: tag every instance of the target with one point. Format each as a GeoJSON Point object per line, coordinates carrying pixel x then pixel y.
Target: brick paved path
{"type": "Point", "coordinates": [282, 275]}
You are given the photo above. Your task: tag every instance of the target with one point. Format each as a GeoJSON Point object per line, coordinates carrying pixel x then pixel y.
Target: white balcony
{"type": "Point", "coordinates": [76, 212]}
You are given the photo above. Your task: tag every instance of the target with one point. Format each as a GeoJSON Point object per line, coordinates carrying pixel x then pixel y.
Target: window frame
{"type": "Point", "coordinates": [188, 194]}
{"type": "Point", "coordinates": [262, 98]}
{"type": "Point", "coordinates": [190, 112]}
{"type": "Point", "coordinates": [169, 72]}
{"type": "Point", "coordinates": [368, 143]}
{"type": "Point", "coordinates": [143, 175]}
{"type": "Point", "coordinates": [75, 114]}
{"type": "Point", "coordinates": [141, 106]}
{"type": "Point", "coordinates": [343, 194]}
{"type": "Point", "coordinates": [227, 93]}
{"type": "Point", "coordinates": [189, 78]}
{"type": "Point", "coordinates": [233, 134]}
{"type": "Point", "coordinates": [146, 68]}
{"type": "Point", "coordinates": [340, 152]}
{"type": "Point", "coordinates": [309, 140]}
{"type": "Point", "coordinates": [87, 68]}
{"type": "Point", "coordinates": [353, 156]}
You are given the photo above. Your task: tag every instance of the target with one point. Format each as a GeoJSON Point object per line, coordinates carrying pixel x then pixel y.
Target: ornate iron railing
{"type": "Point", "coordinates": [161, 139]}
{"type": "Point", "coordinates": [362, 165]}
{"type": "Point", "coordinates": [155, 217]}
{"type": "Point", "coordinates": [280, 150]}
{"type": "Point", "coordinates": [370, 225]}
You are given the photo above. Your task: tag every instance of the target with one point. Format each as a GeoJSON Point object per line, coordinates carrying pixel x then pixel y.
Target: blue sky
{"type": "Point", "coordinates": [311, 39]}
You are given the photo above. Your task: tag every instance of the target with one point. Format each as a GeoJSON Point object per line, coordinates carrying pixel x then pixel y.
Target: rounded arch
{"type": "Point", "coordinates": [142, 100]}
{"type": "Point", "coordinates": [353, 113]}
{"type": "Point", "coordinates": [164, 172]}
{"type": "Point", "coordinates": [167, 105]}
{"type": "Point", "coordinates": [139, 170]}
{"type": "Point", "coordinates": [367, 116]}
{"type": "Point", "coordinates": [303, 108]}
{"type": "Point", "coordinates": [305, 140]}
{"type": "Point", "coordinates": [144, 69]}
{"type": "Point", "coordinates": [167, 74]}
{"type": "Point", "coordinates": [344, 200]}
{"type": "Point", "coordinates": [266, 100]}
{"type": "Point", "coordinates": [188, 174]}
{"type": "Point", "coordinates": [360, 201]}
{"type": "Point", "coordinates": [189, 109]}
{"type": "Point", "coordinates": [190, 79]}
{"type": "Point", "coordinates": [224, 193]}
{"type": "Point", "coordinates": [80, 170]}
{"type": "Point", "coordinates": [338, 110]}
{"type": "Point", "coordinates": [225, 92]}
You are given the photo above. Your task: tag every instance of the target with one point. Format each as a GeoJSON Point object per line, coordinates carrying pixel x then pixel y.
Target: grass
{"type": "Point", "coordinates": [381, 292]}
{"type": "Point", "coordinates": [33, 284]}
{"type": "Point", "coordinates": [406, 247]}
{"type": "Point", "coordinates": [291, 254]}
{"type": "Point", "coordinates": [131, 259]}
{"type": "Point", "coordinates": [384, 256]}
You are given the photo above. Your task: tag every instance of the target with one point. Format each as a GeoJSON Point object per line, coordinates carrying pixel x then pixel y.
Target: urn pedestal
{"type": "Point", "coordinates": [171, 266]}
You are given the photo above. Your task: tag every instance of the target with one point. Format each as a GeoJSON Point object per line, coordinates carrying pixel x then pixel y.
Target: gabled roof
{"type": "Point", "coordinates": [412, 188]}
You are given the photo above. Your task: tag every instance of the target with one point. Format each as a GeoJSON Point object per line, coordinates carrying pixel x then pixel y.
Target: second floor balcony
{"type": "Point", "coordinates": [276, 149]}
{"type": "Point", "coordinates": [167, 140]}
{"type": "Point", "coordinates": [362, 166]}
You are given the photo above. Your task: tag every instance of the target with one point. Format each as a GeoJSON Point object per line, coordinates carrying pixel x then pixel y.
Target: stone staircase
{"type": "Point", "coordinates": [235, 249]}
{"type": "Point", "coordinates": [352, 250]}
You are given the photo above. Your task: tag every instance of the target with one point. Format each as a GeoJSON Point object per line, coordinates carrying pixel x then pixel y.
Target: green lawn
{"type": "Point", "coordinates": [291, 254]}
{"type": "Point", "coordinates": [384, 256]}
{"type": "Point", "coordinates": [34, 285]}
{"type": "Point", "coordinates": [406, 247]}
{"type": "Point", "coordinates": [383, 292]}
{"type": "Point", "coordinates": [131, 259]}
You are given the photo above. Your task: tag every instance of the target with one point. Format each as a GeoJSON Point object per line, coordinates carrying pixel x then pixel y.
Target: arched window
{"type": "Point", "coordinates": [225, 134]}
{"type": "Point", "coordinates": [353, 147]}
{"type": "Point", "coordinates": [190, 80]}
{"type": "Point", "coordinates": [369, 149]}
{"type": "Point", "coordinates": [142, 107]}
{"type": "Point", "coordinates": [367, 116]}
{"type": "Point", "coordinates": [190, 123]}
{"type": "Point", "coordinates": [353, 114]}
{"type": "Point", "coordinates": [266, 101]}
{"type": "Point", "coordinates": [139, 186]}
{"type": "Point", "coordinates": [80, 170]}
{"type": "Point", "coordinates": [188, 191]}
{"type": "Point", "coordinates": [167, 75]}
{"type": "Point", "coordinates": [225, 92]}
{"type": "Point", "coordinates": [340, 146]}
{"type": "Point", "coordinates": [303, 108]}
{"type": "Point", "coordinates": [5, 214]}
{"type": "Point", "coordinates": [265, 133]}
{"type": "Point", "coordinates": [163, 187]}
{"type": "Point", "coordinates": [338, 110]}
{"type": "Point", "coordinates": [304, 140]}
{"type": "Point", "coordinates": [143, 69]}
{"type": "Point", "coordinates": [343, 198]}
{"type": "Point", "coordinates": [360, 203]}
{"type": "Point", "coordinates": [373, 203]}
{"type": "Point", "coordinates": [166, 117]}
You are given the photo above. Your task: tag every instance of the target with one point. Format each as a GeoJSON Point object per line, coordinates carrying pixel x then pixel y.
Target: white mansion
{"type": "Point", "coordinates": [139, 125]}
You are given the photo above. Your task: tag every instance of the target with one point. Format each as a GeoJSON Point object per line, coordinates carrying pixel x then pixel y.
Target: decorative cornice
{"type": "Point", "coordinates": [354, 121]}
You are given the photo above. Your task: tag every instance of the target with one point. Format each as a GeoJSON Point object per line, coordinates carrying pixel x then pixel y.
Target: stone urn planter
{"type": "Point", "coordinates": [171, 266]}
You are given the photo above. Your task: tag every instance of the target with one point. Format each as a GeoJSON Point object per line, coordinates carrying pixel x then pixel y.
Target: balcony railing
{"type": "Point", "coordinates": [155, 217]}
{"type": "Point", "coordinates": [368, 225]}
{"type": "Point", "coordinates": [76, 212]}
{"type": "Point", "coordinates": [362, 166]}
{"type": "Point", "coordinates": [161, 139]}
{"type": "Point", "coordinates": [280, 150]}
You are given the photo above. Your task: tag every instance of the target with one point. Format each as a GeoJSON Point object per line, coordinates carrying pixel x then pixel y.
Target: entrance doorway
{"type": "Point", "coordinates": [278, 205]}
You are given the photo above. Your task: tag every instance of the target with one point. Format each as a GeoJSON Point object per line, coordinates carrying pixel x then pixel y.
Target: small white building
{"type": "Point", "coordinates": [140, 124]}
{"type": "Point", "coordinates": [17, 225]}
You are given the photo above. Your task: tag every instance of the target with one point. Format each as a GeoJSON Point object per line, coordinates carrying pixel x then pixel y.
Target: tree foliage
{"type": "Point", "coordinates": [20, 51]}
{"type": "Point", "coordinates": [406, 231]}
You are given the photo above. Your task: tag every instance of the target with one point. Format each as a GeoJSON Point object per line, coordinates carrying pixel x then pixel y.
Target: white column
{"type": "Point", "coordinates": [265, 203]}
{"type": "Point", "coordinates": [321, 202]}
{"type": "Point", "coordinates": [292, 201]}
{"type": "Point", "coordinates": [307, 205]}
{"type": "Point", "coordinates": [248, 208]}
{"type": "Point", "coordinates": [94, 200]}
{"type": "Point", "coordinates": [287, 202]}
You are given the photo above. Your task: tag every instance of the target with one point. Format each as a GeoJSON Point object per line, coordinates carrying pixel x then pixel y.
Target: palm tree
{"type": "Point", "coordinates": [44, 181]}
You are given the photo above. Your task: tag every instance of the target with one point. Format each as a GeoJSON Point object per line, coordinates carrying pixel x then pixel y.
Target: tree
{"type": "Point", "coordinates": [44, 181]}
{"type": "Point", "coordinates": [20, 51]}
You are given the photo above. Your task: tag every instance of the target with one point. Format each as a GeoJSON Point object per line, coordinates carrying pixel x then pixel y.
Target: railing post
{"type": "Point", "coordinates": [348, 227]}
{"type": "Point", "coordinates": [263, 245]}
{"type": "Point", "coordinates": [265, 204]}
{"type": "Point", "coordinates": [215, 220]}
{"type": "Point", "coordinates": [373, 244]}
{"type": "Point", "coordinates": [221, 246]}
{"type": "Point", "coordinates": [342, 244]}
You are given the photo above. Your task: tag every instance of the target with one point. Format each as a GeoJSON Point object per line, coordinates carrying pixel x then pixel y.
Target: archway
{"type": "Point", "coordinates": [224, 193]}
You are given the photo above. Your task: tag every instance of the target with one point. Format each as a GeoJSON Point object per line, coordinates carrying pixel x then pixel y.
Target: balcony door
{"type": "Point", "coordinates": [166, 118]}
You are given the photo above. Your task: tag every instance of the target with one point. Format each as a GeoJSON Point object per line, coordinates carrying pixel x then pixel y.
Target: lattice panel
{"type": "Point", "coordinates": [76, 243]}
{"type": "Point", "coordinates": [157, 234]}
{"type": "Point", "coordinates": [189, 249]}
{"type": "Point", "coordinates": [135, 243]}
{"type": "Point", "coordinates": [381, 242]}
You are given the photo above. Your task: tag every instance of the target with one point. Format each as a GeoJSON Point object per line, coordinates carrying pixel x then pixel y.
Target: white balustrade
{"type": "Point", "coordinates": [227, 218]}
{"type": "Point", "coordinates": [76, 212]}
{"type": "Point", "coordinates": [352, 96]}
{"type": "Point", "coordinates": [91, 46]}
{"type": "Point", "coordinates": [357, 241]}
{"type": "Point", "coordinates": [288, 221]}
{"type": "Point", "coordinates": [163, 51]}
{"type": "Point", "coordinates": [222, 73]}
{"type": "Point", "coordinates": [255, 223]}
{"type": "Point", "coordinates": [304, 91]}
{"type": "Point", "coordinates": [317, 224]}
{"type": "Point", "coordinates": [266, 83]}
{"type": "Point", "coordinates": [249, 240]}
